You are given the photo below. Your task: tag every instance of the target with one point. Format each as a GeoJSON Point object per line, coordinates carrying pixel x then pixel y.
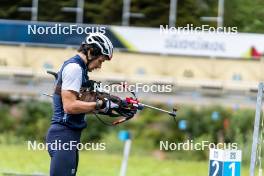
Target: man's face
{"type": "Point", "coordinates": [96, 63]}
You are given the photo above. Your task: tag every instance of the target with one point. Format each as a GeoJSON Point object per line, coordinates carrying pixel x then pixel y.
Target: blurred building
{"type": "Point", "coordinates": [209, 64]}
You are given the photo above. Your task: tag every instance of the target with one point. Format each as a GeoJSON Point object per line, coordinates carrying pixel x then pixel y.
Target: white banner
{"type": "Point", "coordinates": [153, 40]}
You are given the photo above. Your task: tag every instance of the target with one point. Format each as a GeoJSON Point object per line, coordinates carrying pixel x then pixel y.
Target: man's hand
{"type": "Point", "coordinates": [129, 113]}
{"type": "Point", "coordinates": [108, 105]}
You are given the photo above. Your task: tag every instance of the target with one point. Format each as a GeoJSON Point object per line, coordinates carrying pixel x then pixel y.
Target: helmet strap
{"type": "Point", "coordinates": [89, 57]}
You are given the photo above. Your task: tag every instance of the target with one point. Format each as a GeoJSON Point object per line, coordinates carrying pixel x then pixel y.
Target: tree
{"type": "Point", "coordinates": [247, 16]}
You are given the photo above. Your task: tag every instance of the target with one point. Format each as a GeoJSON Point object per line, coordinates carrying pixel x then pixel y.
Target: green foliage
{"type": "Point", "coordinates": [30, 121]}
{"type": "Point", "coordinates": [9, 9]}
{"type": "Point", "coordinates": [247, 15]}
{"type": "Point", "coordinates": [103, 12]}
{"type": "Point", "coordinates": [5, 119]}
{"type": "Point", "coordinates": [35, 120]}
{"type": "Point", "coordinates": [52, 11]}
{"type": "Point", "coordinates": [94, 131]}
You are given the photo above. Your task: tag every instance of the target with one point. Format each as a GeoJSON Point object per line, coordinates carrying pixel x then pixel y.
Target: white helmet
{"type": "Point", "coordinates": [100, 41]}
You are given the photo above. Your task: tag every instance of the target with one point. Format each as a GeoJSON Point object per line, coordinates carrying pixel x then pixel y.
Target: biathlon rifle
{"type": "Point", "coordinates": [92, 93]}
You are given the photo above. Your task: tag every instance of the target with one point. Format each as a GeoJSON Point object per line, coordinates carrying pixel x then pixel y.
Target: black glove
{"type": "Point", "coordinates": [108, 105]}
{"type": "Point", "coordinates": [129, 113]}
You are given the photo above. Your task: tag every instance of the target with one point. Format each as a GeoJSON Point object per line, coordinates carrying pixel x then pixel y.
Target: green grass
{"type": "Point", "coordinates": [19, 159]}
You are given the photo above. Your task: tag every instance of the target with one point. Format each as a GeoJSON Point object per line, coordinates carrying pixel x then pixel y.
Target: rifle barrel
{"type": "Point", "coordinates": [158, 109]}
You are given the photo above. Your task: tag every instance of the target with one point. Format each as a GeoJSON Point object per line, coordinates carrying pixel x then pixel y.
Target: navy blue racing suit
{"type": "Point", "coordinates": [65, 129]}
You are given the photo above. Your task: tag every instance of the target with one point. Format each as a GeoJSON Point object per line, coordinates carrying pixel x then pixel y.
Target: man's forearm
{"type": "Point", "coordinates": [77, 107]}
